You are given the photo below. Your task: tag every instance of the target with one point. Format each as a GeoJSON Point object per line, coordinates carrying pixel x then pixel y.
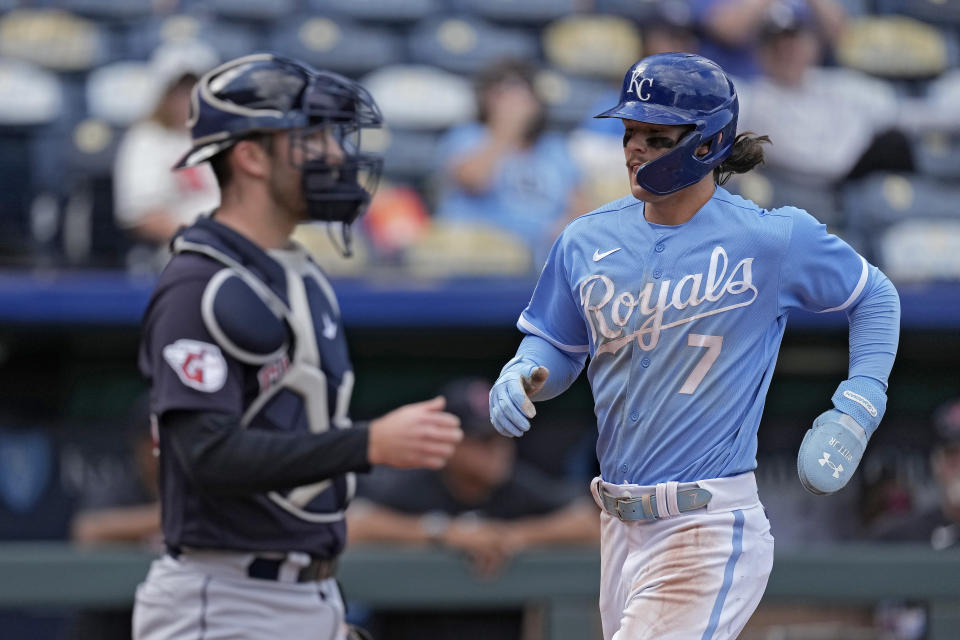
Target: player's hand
{"type": "Point", "coordinates": [510, 406]}
{"type": "Point", "coordinates": [830, 452]}
{"type": "Point", "coordinates": [415, 435]}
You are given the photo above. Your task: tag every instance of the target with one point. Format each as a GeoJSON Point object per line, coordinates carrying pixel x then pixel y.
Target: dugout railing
{"type": "Point", "coordinates": [563, 583]}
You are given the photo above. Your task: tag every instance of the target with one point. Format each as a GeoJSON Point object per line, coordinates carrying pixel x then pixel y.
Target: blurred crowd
{"type": "Point", "coordinates": [490, 146]}
{"type": "Point", "coordinates": [490, 149]}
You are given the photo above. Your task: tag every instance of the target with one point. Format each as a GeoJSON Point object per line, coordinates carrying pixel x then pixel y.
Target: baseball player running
{"type": "Point", "coordinates": [250, 376]}
{"type": "Point", "coordinates": [680, 293]}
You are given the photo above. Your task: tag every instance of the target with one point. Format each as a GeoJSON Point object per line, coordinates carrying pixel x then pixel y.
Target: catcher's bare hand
{"type": "Point", "coordinates": [421, 434]}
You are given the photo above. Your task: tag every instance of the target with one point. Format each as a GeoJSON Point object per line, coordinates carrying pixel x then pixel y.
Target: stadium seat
{"type": "Point", "coordinates": [466, 44]}
{"type": "Point", "coordinates": [770, 189]}
{"type": "Point", "coordinates": [90, 234]}
{"type": "Point", "coordinates": [29, 95]}
{"type": "Point", "coordinates": [229, 39]}
{"type": "Point", "coordinates": [259, 11]}
{"type": "Point", "coordinates": [641, 10]}
{"type": "Point", "coordinates": [420, 96]}
{"type": "Point", "coordinates": [856, 8]}
{"type": "Point", "coordinates": [456, 249]}
{"type": "Point", "coordinates": [908, 225]}
{"type": "Point", "coordinates": [570, 99]}
{"type": "Point", "coordinates": [592, 45]}
{"type": "Point", "coordinates": [526, 12]}
{"type": "Point", "coordinates": [378, 10]}
{"type": "Point", "coordinates": [932, 11]}
{"type": "Point", "coordinates": [56, 40]}
{"type": "Point", "coordinates": [31, 108]}
{"type": "Point", "coordinates": [119, 10]}
{"type": "Point", "coordinates": [120, 93]}
{"type": "Point", "coordinates": [341, 45]}
{"type": "Point", "coordinates": [410, 155]}
{"type": "Point", "coordinates": [896, 48]}
{"type": "Point", "coordinates": [937, 154]}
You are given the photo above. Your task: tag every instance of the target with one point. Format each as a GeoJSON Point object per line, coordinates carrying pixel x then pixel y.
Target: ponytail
{"type": "Point", "coordinates": [747, 153]}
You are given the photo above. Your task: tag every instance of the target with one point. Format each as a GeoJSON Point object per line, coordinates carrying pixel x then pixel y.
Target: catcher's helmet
{"type": "Point", "coordinates": [263, 92]}
{"type": "Point", "coordinates": [680, 89]}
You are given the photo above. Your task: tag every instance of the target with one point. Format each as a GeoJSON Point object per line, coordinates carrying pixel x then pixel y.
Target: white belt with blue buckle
{"type": "Point", "coordinates": [645, 507]}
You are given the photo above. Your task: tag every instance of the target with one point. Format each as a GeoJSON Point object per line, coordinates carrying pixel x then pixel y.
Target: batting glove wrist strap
{"type": "Point", "coordinates": [510, 404]}
{"type": "Point", "coordinates": [830, 452]}
{"type": "Point", "coordinates": [863, 399]}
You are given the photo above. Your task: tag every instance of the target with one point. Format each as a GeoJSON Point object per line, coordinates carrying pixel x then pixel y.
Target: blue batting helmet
{"type": "Point", "coordinates": [680, 89]}
{"type": "Point", "coordinates": [262, 92]}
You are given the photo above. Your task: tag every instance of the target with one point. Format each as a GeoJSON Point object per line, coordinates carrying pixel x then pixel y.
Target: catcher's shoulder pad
{"type": "Point", "coordinates": [242, 320]}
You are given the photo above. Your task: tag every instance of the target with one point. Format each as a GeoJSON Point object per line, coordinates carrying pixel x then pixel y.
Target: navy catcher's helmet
{"type": "Point", "coordinates": [680, 89]}
{"type": "Point", "coordinates": [263, 92]}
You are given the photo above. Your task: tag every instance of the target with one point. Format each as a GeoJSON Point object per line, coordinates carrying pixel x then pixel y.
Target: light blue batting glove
{"type": "Point", "coordinates": [510, 406]}
{"type": "Point", "coordinates": [830, 452]}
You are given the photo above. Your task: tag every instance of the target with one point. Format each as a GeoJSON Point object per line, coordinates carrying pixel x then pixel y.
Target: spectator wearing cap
{"type": "Point", "coordinates": [939, 524]}
{"type": "Point", "coordinates": [151, 201]}
{"type": "Point", "coordinates": [485, 503]}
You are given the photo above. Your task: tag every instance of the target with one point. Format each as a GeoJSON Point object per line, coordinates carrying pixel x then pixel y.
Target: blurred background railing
{"type": "Point", "coordinates": [560, 583]}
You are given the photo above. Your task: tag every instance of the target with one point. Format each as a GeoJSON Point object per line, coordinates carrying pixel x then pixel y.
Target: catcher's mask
{"type": "Point", "coordinates": [680, 89]}
{"type": "Point", "coordinates": [324, 112]}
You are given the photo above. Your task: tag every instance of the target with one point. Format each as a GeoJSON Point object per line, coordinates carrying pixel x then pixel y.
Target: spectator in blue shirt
{"type": "Point", "coordinates": [505, 170]}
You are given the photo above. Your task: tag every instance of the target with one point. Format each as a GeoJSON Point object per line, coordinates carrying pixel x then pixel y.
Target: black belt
{"type": "Point", "coordinates": [269, 569]}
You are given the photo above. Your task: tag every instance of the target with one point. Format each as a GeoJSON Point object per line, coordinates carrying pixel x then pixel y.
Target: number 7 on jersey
{"type": "Point", "coordinates": [713, 344]}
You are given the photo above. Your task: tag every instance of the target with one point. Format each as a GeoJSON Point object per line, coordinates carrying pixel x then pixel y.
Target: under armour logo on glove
{"type": "Point", "coordinates": [834, 440]}
{"type": "Point", "coordinates": [825, 460]}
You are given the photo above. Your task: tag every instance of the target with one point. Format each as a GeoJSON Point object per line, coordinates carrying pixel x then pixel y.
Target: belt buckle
{"type": "Point", "coordinates": [616, 508]}
{"type": "Point", "coordinates": [646, 510]}
{"type": "Point", "coordinates": [631, 500]}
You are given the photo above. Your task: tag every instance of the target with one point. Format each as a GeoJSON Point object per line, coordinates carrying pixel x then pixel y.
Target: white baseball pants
{"type": "Point", "coordinates": [698, 575]}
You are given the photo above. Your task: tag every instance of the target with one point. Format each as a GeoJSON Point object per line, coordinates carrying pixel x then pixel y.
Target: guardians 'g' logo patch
{"type": "Point", "coordinates": [199, 365]}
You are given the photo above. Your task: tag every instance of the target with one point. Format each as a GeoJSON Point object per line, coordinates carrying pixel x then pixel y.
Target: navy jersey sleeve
{"type": "Point", "coordinates": [186, 367]}
{"type": "Point", "coordinates": [820, 272]}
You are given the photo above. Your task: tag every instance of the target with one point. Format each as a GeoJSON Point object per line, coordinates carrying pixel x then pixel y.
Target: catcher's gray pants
{"type": "Point", "coordinates": [208, 595]}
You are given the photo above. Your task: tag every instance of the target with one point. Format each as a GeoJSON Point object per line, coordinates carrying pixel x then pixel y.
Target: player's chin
{"type": "Point", "coordinates": [642, 194]}
{"type": "Point", "coordinates": [638, 192]}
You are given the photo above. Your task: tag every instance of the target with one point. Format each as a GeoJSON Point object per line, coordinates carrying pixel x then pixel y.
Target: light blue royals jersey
{"type": "Point", "coordinates": [683, 325]}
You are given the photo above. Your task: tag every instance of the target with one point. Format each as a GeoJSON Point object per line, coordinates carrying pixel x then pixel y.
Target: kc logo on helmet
{"type": "Point", "coordinates": [637, 86]}
{"type": "Point", "coordinates": [199, 365]}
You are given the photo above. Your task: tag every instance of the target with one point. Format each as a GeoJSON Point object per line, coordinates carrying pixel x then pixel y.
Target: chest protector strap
{"type": "Point", "coordinates": [304, 376]}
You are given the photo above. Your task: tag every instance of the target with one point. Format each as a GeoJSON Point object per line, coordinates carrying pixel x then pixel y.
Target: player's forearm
{"type": "Point", "coordinates": [221, 457]}
{"type": "Point", "coordinates": [874, 334]}
{"type": "Point", "coordinates": [476, 172]}
{"type": "Point", "coordinates": [578, 523]}
{"type": "Point", "coordinates": [120, 524]}
{"type": "Point", "coordinates": [875, 330]}
{"type": "Point", "coordinates": [564, 368]}
{"type": "Point", "coordinates": [368, 522]}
